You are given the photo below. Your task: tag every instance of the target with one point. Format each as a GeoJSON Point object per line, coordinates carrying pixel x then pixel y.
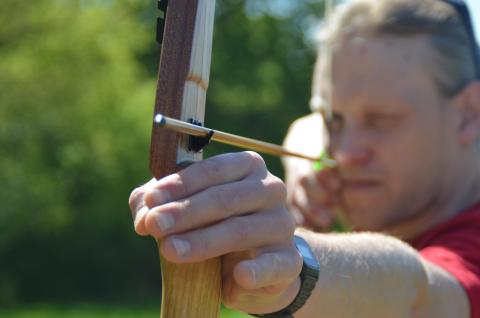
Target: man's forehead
{"type": "Point", "coordinates": [384, 61]}
{"type": "Point", "coordinates": [381, 71]}
{"type": "Point", "coordinates": [410, 51]}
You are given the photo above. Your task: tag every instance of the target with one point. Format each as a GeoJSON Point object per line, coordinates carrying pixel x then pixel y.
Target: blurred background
{"type": "Point", "coordinates": [77, 86]}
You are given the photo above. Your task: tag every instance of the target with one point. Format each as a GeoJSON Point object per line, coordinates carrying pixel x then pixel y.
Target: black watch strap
{"type": "Point", "coordinates": [308, 280]}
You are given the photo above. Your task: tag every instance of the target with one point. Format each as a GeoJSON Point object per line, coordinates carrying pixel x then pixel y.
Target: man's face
{"type": "Point", "coordinates": [391, 131]}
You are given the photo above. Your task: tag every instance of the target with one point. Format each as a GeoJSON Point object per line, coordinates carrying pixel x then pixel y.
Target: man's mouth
{"type": "Point", "coordinates": [360, 183]}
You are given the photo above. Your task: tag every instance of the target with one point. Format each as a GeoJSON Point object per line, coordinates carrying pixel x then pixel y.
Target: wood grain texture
{"type": "Point", "coordinates": [189, 290]}
{"type": "Point", "coordinates": [173, 69]}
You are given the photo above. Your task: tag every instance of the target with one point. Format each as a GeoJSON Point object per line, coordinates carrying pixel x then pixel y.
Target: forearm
{"type": "Point", "coordinates": [364, 275]}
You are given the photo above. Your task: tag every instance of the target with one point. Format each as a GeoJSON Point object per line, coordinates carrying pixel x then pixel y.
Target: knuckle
{"type": "Point", "coordinates": [225, 199]}
{"type": "Point", "coordinates": [285, 223]}
{"type": "Point", "coordinates": [184, 213]}
{"type": "Point", "coordinates": [239, 229]}
{"type": "Point", "coordinates": [256, 161]}
{"type": "Point", "coordinates": [140, 229]}
{"type": "Point", "coordinates": [176, 187]}
{"type": "Point", "coordinates": [213, 167]}
{"type": "Point", "coordinates": [150, 225]}
{"type": "Point", "coordinates": [135, 198]}
{"type": "Point", "coordinates": [277, 187]}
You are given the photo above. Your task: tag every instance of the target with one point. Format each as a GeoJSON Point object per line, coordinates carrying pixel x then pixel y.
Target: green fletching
{"type": "Point", "coordinates": [324, 161]}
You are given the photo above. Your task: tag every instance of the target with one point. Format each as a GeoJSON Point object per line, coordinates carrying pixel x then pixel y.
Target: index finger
{"type": "Point", "coordinates": [201, 175]}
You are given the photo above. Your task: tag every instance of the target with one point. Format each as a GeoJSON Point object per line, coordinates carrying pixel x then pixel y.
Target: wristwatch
{"type": "Point", "coordinates": [308, 279]}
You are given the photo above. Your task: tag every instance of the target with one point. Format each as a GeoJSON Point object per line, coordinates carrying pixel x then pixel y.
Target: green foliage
{"type": "Point", "coordinates": [72, 89]}
{"type": "Point", "coordinates": [80, 311]}
{"type": "Point", "coordinates": [75, 100]}
{"type": "Point", "coordinates": [95, 311]}
{"type": "Point", "coordinates": [77, 82]}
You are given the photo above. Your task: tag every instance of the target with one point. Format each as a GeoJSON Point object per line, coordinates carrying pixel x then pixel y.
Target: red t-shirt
{"type": "Point", "coordinates": [455, 246]}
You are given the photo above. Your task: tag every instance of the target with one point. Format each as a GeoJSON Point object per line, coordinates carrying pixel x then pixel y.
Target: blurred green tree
{"type": "Point", "coordinates": [77, 82]}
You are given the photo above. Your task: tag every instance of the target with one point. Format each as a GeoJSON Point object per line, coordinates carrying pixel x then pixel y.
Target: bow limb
{"type": "Point", "coordinates": [181, 93]}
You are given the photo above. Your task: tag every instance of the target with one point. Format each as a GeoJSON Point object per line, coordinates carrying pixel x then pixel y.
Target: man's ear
{"type": "Point", "coordinates": [468, 103]}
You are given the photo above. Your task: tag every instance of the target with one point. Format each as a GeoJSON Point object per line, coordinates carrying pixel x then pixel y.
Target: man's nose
{"type": "Point", "coordinates": [352, 149]}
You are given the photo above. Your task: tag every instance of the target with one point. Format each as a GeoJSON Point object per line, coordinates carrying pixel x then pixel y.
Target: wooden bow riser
{"type": "Point", "coordinates": [190, 290]}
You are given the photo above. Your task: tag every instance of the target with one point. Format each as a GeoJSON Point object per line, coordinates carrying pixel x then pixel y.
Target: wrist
{"type": "Point", "coordinates": [303, 285]}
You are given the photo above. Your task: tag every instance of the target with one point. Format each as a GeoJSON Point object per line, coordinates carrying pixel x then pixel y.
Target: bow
{"type": "Point", "coordinates": [183, 77]}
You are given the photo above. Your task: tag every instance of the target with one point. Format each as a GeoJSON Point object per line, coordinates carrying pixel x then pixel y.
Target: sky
{"type": "Point", "coordinates": [474, 6]}
{"type": "Point", "coordinates": [282, 6]}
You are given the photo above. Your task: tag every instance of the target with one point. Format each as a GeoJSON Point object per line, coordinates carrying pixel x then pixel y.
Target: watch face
{"type": "Point", "coordinates": [308, 257]}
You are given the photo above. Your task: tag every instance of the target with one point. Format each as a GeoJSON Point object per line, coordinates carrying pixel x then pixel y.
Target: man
{"type": "Point", "coordinates": [402, 107]}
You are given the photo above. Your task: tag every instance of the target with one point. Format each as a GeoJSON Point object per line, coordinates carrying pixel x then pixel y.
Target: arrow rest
{"type": "Point", "coordinates": [196, 143]}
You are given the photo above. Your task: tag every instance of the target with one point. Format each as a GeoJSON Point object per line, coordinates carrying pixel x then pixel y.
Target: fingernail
{"type": "Point", "coordinates": [182, 247]}
{"type": "Point", "coordinates": [160, 196]}
{"type": "Point", "coordinates": [165, 221]}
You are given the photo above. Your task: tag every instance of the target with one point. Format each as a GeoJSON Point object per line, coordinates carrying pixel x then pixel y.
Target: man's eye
{"type": "Point", "coordinates": [380, 121]}
{"type": "Point", "coordinates": [335, 123]}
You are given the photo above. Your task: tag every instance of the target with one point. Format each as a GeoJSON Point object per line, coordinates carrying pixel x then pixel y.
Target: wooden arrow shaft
{"type": "Point", "coordinates": [234, 140]}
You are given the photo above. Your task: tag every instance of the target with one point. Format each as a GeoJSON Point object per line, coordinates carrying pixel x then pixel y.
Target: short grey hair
{"type": "Point", "coordinates": [451, 67]}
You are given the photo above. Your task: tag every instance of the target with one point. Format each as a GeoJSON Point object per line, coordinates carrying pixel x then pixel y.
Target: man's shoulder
{"type": "Point", "coordinates": [455, 232]}
{"type": "Point", "coordinates": [455, 246]}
